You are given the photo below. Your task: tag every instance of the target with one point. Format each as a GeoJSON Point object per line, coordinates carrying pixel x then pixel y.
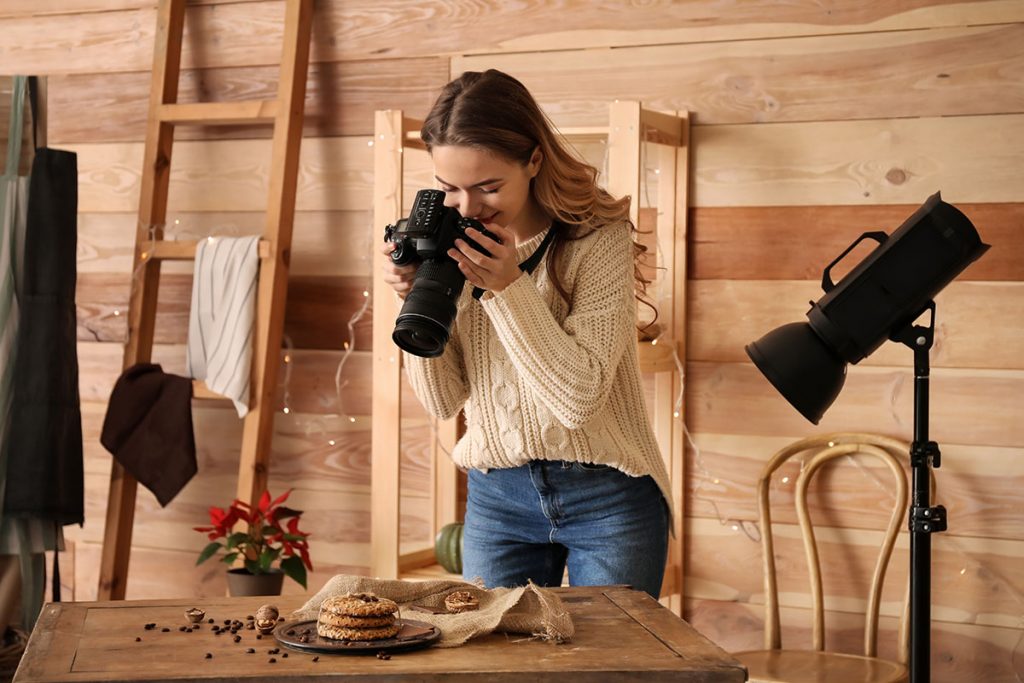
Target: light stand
{"type": "Point", "coordinates": [924, 519]}
{"type": "Point", "coordinates": [879, 299]}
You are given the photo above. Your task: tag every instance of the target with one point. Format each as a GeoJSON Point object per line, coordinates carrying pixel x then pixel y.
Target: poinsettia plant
{"type": "Point", "coordinates": [271, 535]}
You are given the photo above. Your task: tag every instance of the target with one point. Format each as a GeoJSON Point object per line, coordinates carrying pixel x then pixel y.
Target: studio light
{"type": "Point", "coordinates": [882, 298]}
{"type": "Point", "coordinates": [883, 294]}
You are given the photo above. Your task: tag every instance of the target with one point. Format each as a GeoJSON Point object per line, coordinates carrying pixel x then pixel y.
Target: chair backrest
{"type": "Point", "coordinates": [816, 451]}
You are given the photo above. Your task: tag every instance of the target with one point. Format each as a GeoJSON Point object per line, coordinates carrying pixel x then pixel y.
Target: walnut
{"type": "Point", "coordinates": [194, 615]}
{"type": "Point", "coordinates": [266, 619]}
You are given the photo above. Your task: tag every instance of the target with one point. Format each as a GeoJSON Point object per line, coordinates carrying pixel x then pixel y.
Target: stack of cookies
{"type": "Point", "coordinates": [357, 616]}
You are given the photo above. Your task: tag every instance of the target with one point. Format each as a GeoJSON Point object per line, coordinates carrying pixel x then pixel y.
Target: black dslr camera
{"type": "Point", "coordinates": [425, 321]}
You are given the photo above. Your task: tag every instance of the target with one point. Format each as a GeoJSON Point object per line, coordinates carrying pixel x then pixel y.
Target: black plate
{"type": "Point", "coordinates": [412, 636]}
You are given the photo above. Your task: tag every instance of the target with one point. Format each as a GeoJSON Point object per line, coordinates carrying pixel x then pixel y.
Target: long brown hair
{"type": "Point", "coordinates": [493, 111]}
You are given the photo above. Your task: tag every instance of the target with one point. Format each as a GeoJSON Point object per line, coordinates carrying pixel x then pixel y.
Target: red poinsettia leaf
{"type": "Point", "coordinates": [217, 515]}
{"type": "Point", "coordinates": [280, 499]}
{"type": "Point", "coordinates": [264, 504]}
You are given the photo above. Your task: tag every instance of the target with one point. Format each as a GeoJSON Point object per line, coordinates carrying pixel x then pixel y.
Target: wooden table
{"type": "Point", "coordinates": [621, 635]}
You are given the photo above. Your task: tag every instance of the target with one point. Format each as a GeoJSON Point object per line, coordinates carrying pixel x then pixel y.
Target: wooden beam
{"type": "Point", "coordinates": [388, 164]}
{"type": "Point", "coordinates": [219, 113]}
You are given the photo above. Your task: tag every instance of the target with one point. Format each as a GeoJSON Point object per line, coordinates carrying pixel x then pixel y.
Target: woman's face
{"type": "Point", "coordinates": [488, 187]}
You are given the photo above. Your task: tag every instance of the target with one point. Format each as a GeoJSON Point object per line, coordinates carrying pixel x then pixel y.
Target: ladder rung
{"type": "Point", "coordinates": [219, 113]}
{"type": "Point", "coordinates": [184, 250]}
{"type": "Point", "coordinates": [200, 390]}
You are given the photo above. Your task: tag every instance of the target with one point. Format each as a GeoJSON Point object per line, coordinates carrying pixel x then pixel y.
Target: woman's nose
{"type": "Point", "coordinates": [466, 206]}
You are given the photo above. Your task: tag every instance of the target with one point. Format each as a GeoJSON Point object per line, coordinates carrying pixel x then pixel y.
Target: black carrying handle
{"type": "Point", "coordinates": [826, 277]}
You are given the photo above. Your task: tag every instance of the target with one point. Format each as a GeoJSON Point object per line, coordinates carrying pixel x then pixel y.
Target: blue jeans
{"type": "Point", "coordinates": [530, 522]}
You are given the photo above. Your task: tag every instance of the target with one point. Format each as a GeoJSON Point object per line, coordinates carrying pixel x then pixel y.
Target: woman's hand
{"type": "Point", "coordinates": [494, 272]}
{"type": "Point", "coordinates": [399, 277]}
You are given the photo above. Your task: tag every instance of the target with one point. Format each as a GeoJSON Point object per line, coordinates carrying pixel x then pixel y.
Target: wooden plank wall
{"type": "Point", "coordinates": [813, 123]}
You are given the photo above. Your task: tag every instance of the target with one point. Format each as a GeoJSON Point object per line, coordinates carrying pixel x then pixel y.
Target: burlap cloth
{"type": "Point", "coordinates": [529, 610]}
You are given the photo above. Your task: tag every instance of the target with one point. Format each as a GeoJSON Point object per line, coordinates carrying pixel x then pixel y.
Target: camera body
{"type": "Point", "coordinates": [430, 230]}
{"type": "Point", "coordinates": [424, 324]}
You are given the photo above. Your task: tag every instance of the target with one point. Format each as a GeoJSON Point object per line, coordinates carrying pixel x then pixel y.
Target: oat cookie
{"type": "Point", "coordinates": [358, 605]}
{"type": "Point", "coordinates": [341, 633]}
{"type": "Point", "coordinates": [345, 621]}
{"type": "Point", "coordinates": [461, 601]}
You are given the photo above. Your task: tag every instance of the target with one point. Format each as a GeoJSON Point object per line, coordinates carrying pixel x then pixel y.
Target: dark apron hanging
{"type": "Point", "coordinates": [44, 451]}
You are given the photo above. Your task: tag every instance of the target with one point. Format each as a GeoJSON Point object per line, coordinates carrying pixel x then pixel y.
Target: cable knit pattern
{"type": "Point", "coordinates": [541, 380]}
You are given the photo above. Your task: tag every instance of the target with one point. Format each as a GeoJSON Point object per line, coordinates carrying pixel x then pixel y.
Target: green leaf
{"type": "Point", "coordinates": [253, 567]}
{"type": "Point", "coordinates": [208, 552]}
{"type": "Point", "coordinates": [294, 569]}
{"type": "Point", "coordinates": [230, 558]}
{"type": "Point", "coordinates": [236, 538]}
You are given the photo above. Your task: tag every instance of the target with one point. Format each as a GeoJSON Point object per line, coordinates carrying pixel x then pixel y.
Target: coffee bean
{"type": "Point", "coordinates": [284, 655]}
{"type": "Point", "coordinates": [137, 639]}
{"type": "Point", "coordinates": [237, 639]}
{"type": "Point", "coordinates": [166, 630]}
{"type": "Point", "coordinates": [250, 651]}
{"type": "Point", "coordinates": [209, 655]}
{"type": "Point", "coordinates": [259, 637]}
{"type": "Point", "coordinates": [209, 621]}
{"type": "Point", "coordinates": [316, 659]}
{"type": "Point", "coordinates": [249, 617]}
{"type": "Point", "coordinates": [272, 660]}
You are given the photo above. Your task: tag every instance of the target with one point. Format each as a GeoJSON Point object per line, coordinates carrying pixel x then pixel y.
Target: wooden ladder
{"type": "Point", "coordinates": [285, 114]}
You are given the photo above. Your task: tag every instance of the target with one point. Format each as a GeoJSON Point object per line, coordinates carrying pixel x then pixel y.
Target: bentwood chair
{"type": "Point", "coordinates": [818, 665]}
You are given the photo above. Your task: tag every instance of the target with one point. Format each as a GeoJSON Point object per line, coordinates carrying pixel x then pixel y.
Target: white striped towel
{"type": "Point", "coordinates": [223, 316]}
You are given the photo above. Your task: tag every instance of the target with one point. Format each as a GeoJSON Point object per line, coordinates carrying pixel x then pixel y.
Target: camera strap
{"type": "Point", "coordinates": [529, 264]}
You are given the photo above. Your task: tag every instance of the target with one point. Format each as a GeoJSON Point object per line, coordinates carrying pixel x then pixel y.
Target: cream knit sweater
{"type": "Point", "coordinates": [544, 380]}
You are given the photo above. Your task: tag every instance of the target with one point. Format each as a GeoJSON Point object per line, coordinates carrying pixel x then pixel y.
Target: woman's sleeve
{"type": "Point", "coordinates": [571, 366]}
{"type": "Point", "coordinates": [439, 383]}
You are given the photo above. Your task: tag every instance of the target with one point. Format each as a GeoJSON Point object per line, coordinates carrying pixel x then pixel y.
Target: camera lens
{"type": "Point", "coordinates": [420, 336]}
{"type": "Point", "coordinates": [425, 321]}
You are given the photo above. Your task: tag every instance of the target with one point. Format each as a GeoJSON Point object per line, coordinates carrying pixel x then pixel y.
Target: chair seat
{"type": "Point", "coordinates": [810, 666]}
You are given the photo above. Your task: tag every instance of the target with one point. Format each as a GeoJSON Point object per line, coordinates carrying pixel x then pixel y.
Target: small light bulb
{"type": "Point", "coordinates": [286, 410]}
{"type": "Point", "coordinates": [654, 342]}
{"type": "Point", "coordinates": [369, 143]}
{"type": "Point", "coordinates": [287, 358]}
{"type": "Point", "coordinates": [735, 527]}
{"type": "Point", "coordinates": [331, 442]}
{"type": "Point", "coordinates": [211, 239]}
{"type": "Point", "coordinates": [963, 571]}
{"type": "Point", "coordinates": [675, 414]}
{"type": "Point", "coordinates": [657, 171]}
{"type": "Point", "coordinates": [346, 346]}
{"type": "Point", "coordinates": [785, 480]}
{"type": "Point", "coordinates": [117, 312]}
{"type": "Point", "coordinates": [145, 255]}
{"type": "Point", "coordinates": [177, 221]}
{"type": "Point", "coordinates": [831, 444]}
{"type": "Point", "coordinates": [366, 293]}
{"type": "Point", "coordinates": [716, 481]}
{"type": "Point", "coordinates": [351, 419]}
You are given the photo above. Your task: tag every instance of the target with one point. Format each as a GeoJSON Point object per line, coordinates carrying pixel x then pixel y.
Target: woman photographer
{"type": "Point", "coordinates": [564, 470]}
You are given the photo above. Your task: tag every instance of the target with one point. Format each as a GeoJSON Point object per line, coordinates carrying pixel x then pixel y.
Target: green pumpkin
{"type": "Point", "coordinates": [448, 547]}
